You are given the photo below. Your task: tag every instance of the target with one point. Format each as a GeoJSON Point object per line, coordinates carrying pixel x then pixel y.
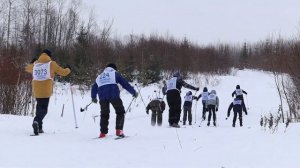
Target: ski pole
{"type": "Point", "coordinates": [129, 105]}
{"type": "Point", "coordinates": [85, 108]}
{"type": "Point", "coordinates": [76, 126]}
{"type": "Point", "coordinates": [139, 90]}
{"type": "Point", "coordinates": [247, 102]}
{"type": "Point", "coordinates": [195, 107]}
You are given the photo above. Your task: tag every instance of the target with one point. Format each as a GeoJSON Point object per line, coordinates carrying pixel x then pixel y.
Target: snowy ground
{"type": "Point", "coordinates": [64, 146]}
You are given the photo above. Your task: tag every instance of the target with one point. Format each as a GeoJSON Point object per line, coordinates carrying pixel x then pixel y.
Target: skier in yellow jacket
{"type": "Point", "coordinates": [43, 71]}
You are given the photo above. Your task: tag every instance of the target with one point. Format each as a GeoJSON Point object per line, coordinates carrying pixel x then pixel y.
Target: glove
{"type": "Point", "coordinates": [33, 60]}
{"type": "Point", "coordinates": [68, 66]}
{"type": "Point", "coordinates": [135, 95]}
{"type": "Point", "coordinates": [216, 109]}
{"type": "Point", "coordinates": [197, 89]}
{"type": "Point", "coordinates": [147, 111]}
{"type": "Point", "coordinates": [246, 113]}
{"type": "Point", "coordinates": [94, 100]}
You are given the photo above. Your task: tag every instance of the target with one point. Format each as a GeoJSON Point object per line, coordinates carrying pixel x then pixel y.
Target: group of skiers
{"type": "Point", "coordinates": [43, 70]}
{"type": "Point", "coordinates": [210, 103]}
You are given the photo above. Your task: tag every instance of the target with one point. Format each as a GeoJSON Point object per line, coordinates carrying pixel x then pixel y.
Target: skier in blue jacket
{"type": "Point", "coordinates": [106, 86]}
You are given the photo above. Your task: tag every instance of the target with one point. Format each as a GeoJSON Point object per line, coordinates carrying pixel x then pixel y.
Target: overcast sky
{"type": "Point", "coordinates": [201, 21]}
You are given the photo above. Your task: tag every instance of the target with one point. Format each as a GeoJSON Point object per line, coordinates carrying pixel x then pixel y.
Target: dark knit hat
{"type": "Point", "coordinates": [112, 65]}
{"type": "Point", "coordinates": [205, 89]}
{"type": "Point", "coordinates": [48, 52]}
{"type": "Point", "coordinates": [237, 87]}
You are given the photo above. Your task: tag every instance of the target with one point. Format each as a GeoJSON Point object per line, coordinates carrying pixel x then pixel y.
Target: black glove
{"type": "Point", "coordinates": [197, 89]}
{"type": "Point", "coordinates": [216, 109]}
{"type": "Point", "coordinates": [33, 60]}
{"type": "Point", "coordinates": [68, 66]}
{"type": "Point", "coordinates": [246, 113]}
{"type": "Point", "coordinates": [147, 111]}
{"type": "Point", "coordinates": [135, 95]}
{"type": "Point", "coordinates": [94, 100]}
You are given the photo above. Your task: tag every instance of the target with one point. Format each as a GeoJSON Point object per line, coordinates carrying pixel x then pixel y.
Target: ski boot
{"type": "Point", "coordinates": [214, 123]}
{"type": "Point", "coordinates": [208, 123]}
{"type": "Point", "coordinates": [35, 126]}
{"type": "Point", "coordinates": [120, 133]}
{"type": "Point", "coordinates": [183, 122]}
{"type": "Point", "coordinates": [102, 135]}
{"type": "Point", "coordinates": [175, 125]}
{"type": "Point", "coordinates": [190, 123]}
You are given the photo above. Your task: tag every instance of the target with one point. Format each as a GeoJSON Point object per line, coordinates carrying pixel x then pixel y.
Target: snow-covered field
{"type": "Point", "coordinates": [211, 147]}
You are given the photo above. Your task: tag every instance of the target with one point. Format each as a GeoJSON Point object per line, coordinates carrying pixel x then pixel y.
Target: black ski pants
{"type": "Point", "coordinates": [41, 110]}
{"type": "Point", "coordinates": [187, 113]}
{"type": "Point", "coordinates": [174, 102]}
{"type": "Point", "coordinates": [120, 114]}
{"type": "Point", "coordinates": [156, 117]}
{"type": "Point", "coordinates": [235, 114]}
{"type": "Point", "coordinates": [204, 109]}
{"type": "Point", "coordinates": [211, 112]}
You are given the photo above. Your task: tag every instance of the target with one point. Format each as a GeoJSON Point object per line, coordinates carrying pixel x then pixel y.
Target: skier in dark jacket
{"type": "Point", "coordinates": [174, 86]}
{"type": "Point", "coordinates": [238, 92]}
{"type": "Point", "coordinates": [187, 107]}
{"type": "Point", "coordinates": [108, 92]}
{"type": "Point", "coordinates": [238, 108]}
{"type": "Point", "coordinates": [212, 106]}
{"type": "Point", "coordinates": [204, 96]}
{"type": "Point", "coordinates": [157, 106]}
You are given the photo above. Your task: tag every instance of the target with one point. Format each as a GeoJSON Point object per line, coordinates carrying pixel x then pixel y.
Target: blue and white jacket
{"type": "Point", "coordinates": [106, 85]}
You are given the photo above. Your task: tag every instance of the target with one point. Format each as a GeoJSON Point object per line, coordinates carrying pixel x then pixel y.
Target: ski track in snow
{"type": "Point", "coordinates": [191, 146]}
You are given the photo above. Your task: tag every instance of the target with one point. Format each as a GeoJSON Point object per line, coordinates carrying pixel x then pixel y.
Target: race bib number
{"type": "Point", "coordinates": [235, 102]}
{"type": "Point", "coordinates": [204, 96]}
{"type": "Point", "coordinates": [41, 71]}
{"type": "Point", "coordinates": [188, 98]}
{"type": "Point", "coordinates": [212, 97]}
{"type": "Point", "coordinates": [106, 78]}
{"type": "Point", "coordinates": [238, 92]}
{"type": "Point", "coordinates": [172, 84]}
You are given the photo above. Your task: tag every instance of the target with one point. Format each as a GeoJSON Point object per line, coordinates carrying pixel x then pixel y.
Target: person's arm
{"type": "Point", "coordinates": [186, 85]}
{"type": "Point", "coordinates": [148, 108]}
{"type": "Point", "coordinates": [29, 68]}
{"type": "Point", "coordinates": [125, 84]}
{"type": "Point", "coordinates": [199, 96]}
{"type": "Point", "coordinates": [233, 93]}
{"type": "Point", "coordinates": [229, 109]}
{"type": "Point", "coordinates": [94, 91]}
{"type": "Point", "coordinates": [244, 92]}
{"type": "Point", "coordinates": [217, 101]}
{"type": "Point", "coordinates": [59, 70]}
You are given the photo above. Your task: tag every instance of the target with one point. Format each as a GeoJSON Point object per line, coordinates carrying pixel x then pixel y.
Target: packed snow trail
{"type": "Point", "coordinates": [191, 146]}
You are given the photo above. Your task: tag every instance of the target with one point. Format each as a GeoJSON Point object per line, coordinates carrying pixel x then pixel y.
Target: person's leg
{"type": "Point", "coordinates": [214, 115]}
{"type": "Point", "coordinates": [203, 110]}
{"type": "Point", "coordinates": [234, 118]}
{"type": "Point", "coordinates": [104, 120]}
{"type": "Point", "coordinates": [153, 118]}
{"type": "Point", "coordinates": [177, 108]}
{"type": "Point", "coordinates": [240, 118]}
{"type": "Point", "coordinates": [185, 110]}
{"type": "Point", "coordinates": [170, 101]}
{"type": "Point", "coordinates": [209, 114]}
{"type": "Point", "coordinates": [189, 110]}
{"type": "Point", "coordinates": [41, 111]}
{"type": "Point", "coordinates": [159, 118]}
{"type": "Point", "coordinates": [120, 112]}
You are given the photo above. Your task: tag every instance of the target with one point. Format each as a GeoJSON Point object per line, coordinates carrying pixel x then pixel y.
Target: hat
{"type": "Point", "coordinates": [189, 93]}
{"type": "Point", "coordinates": [112, 65]}
{"type": "Point", "coordinates": [213, 92]}
{"type": "Point", "coordinates": [48, 52]}
{"type": "Point", "coordinates": [238, 87]}
{"type": "Point", "coordinates": [205, 89]}
{"type": "Point", "coordinates": [176, 74]}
